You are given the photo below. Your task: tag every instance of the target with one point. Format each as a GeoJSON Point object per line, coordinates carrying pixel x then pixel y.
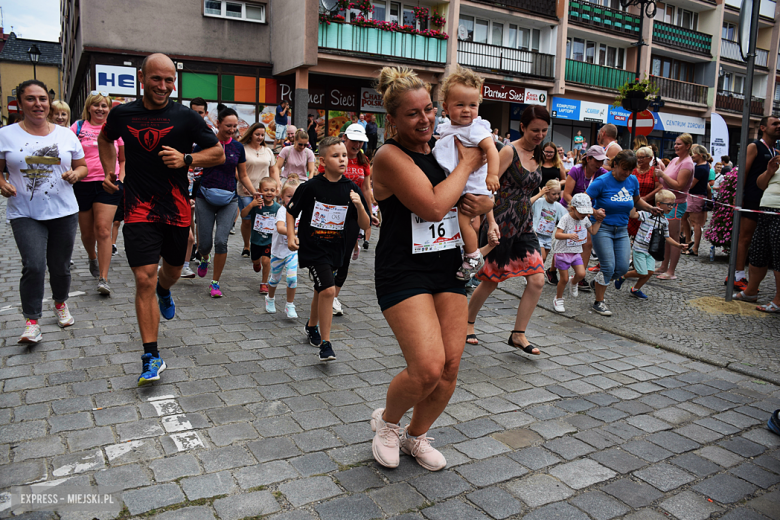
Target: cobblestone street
{"type": "Point", "coordinates": [246, 421]}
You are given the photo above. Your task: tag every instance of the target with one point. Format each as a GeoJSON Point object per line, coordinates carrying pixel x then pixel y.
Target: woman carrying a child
{"type": "Point", "coordinates": [519, 253]}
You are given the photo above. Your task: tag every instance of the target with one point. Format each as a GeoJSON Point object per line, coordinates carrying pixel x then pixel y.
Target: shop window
{"type": "Point", "coordinates": [239, 88]}
{"type": "Point", "coordinates": [250, 12]}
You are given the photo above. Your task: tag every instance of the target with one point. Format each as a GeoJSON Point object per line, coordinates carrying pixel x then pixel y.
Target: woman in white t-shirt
{"type": "Point", "coordinates": [297, 159]}
{"type": "Point", "coordinates": [44, 161]}
{"type": "Point", "coordinates": [260, 163]}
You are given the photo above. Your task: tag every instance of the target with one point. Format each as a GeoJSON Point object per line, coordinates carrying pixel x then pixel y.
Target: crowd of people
{"type": "Point", "coordinates": [179, 186]}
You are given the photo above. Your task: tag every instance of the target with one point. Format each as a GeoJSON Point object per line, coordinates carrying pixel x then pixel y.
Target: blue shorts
{"type": "Point", "coordinates": [677, 211]}
{"type": "Point", "coordinates": [545, 241]}
{"type": "Point", "coordinates": [643, 263]}
{"type": "Point", "coordinates": [242, 203]}
{"type": "Point", "coordinates": [578, 146]}
{"type": "Point", "coordinates": [281, 132]}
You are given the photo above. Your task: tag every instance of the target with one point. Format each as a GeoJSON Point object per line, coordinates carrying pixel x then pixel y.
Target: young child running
{"type": "Point", "coordinates": [461, 93]}
{"type": "Point", "coordinates": [281, 256]}
{"type": "Point", "coordinates": [644, 264]}
{"type": "Point", "coordinates": [325, 203]}
{"type": "Point", "coordinates": [571, 234]}
{"type": "Point", "coordinates": [547, 213]}
{"type": "Point", "coordinates": [262, 214]}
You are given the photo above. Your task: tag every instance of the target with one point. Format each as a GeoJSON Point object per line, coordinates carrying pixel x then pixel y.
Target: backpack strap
{"type": "Point", "coordinates": [79, 124]}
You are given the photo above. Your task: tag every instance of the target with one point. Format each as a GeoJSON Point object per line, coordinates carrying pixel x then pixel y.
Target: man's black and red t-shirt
{"type": "Point", "coordinates": [154, 192]}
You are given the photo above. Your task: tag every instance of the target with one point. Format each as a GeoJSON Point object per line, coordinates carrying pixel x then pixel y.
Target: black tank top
{"type": "Point", "coordinates": [550, 173]}
{"type": "Point", "coordinates": [396, 268]}
{"type": "Point", "coordinates": [764, 153]}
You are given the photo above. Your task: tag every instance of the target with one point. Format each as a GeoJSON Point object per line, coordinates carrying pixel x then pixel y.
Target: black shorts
{"type": "Point", "coordinates": [322, 276]}
{"type": "Point", "coordinates": [88, 193]}
{"type": "Point", "coordinates": [119, 216]}
{"type": "Point", "coordinates": [388, 300]}
{"type": "Point", "coordinates": [146, 242]}
{"type": "Point", "coordinates": [748, 203]}
{"type": "Point", "coordinates": [255, 251]}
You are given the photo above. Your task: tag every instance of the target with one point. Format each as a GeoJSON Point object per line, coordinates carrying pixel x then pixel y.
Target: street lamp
{"type": "Point", "coordinates": [34, 53]}
{"type": "Point", "coordinates": [646, 8]}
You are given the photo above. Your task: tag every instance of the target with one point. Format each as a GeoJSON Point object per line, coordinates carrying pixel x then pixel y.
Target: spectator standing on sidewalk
{"type": "Point", "coordinates": [694, 212]}
{"type": "Point", "coordinates": [372, 133]}
{"type": "Point", "coordinates": [280, 123]}
{"type": "Point", "coordinates": [44, 160]}
{"type": "Point", "coordinates": [607, 137]}
{"type": "Point", "coordinates": [158, 136]}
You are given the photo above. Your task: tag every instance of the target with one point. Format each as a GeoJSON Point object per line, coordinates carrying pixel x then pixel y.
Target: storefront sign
{"type": "Point", "coordinates": [682, 124]}
{"type": "Point", "coordinates": [342, 98]}
{"type": "Point", "coordinates": [505, 93]}
{"type": "Point", "coordinates": [564, 108]}
{"type": "Point", "coordinates": [116, 80]}
{"type": "Point", "coordinates": [596, 112]}
{"type": "Point", "coordinates": [618, 116]}
{"type": "Point", "coordinates": [317, 97]}
{"type": "Point", "coordinates": [535, 97]}
{"type": "Point", "coordinates": [370, 101]}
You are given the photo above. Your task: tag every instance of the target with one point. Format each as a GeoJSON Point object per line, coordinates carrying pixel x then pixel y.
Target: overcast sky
{"type": "Point", "coordinates": [33, 19]}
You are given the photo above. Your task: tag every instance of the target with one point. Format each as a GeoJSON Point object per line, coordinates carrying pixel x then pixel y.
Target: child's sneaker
{"type": "Point", "coordinates": [420, 448]}
{"type": "Point", "coordinates": [551, 276]}
{"type": "Point", "coordinates": [263, 288]}
{"type": "Point", "coordinates": [619, 283]}
{"type": "Point", "coordinates": [64, 319]}
{"type": "Point", "coordinates": [337, 310]}
{"type": "Point", "coordinates": [469, 266]}
{"type": "Point", "coordinates": [257, 267]}
{"type": "Point", "coordinates": [574, 288]}
{"type": "Point", "coordinates": [313, 333]}
{"type": "Point", "coordinates": [215, 292]}
{"type": "Point", "coordinates": [289, 310]}
{"type": "Point", "coordinates": [355, 254]}
{"type": "Point", "coordinates": [326, 351]}
{"type": "Point", "coordinates": [203, 266]}
{"type": "Point", "coordinates": [595, 269]}
{"type": "Point", "coordinates": [32, 332]}
{"type": "Point", "coordinates": [558, 304]}
{"type": "Point", "coordinates": [637, 293]}
{"type": "Point", "coordinates": [270, 305]}
{"type": "Point", "coordinates": [601, 308]}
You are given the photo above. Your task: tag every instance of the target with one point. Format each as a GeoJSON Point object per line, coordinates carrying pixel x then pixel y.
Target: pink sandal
{"type": "Point", "coordinates": [664, 276]}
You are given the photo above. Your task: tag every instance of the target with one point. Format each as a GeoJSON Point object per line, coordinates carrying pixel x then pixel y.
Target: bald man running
{"type": "Point", "coordinates": [158, 136]}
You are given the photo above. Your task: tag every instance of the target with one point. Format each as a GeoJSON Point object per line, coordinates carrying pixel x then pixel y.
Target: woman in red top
{"type": "Point", "coordinates": [648, 182]}
{"type": "Point", "coordinates": [358, 171]}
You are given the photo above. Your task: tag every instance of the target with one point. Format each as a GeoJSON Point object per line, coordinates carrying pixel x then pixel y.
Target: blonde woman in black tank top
{"type": "Point", "coordinates": [426, 307]}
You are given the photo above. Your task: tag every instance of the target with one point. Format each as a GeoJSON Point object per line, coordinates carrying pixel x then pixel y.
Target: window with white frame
{"type": "Point", "coordinates": [678, 16]}
{"type": "Point", "coordinates": [729, 31]}
{"type": "Point", "coordinates": [250, 12]}
{"type": "Point", "coordinates": [734, 83]}
{"type": "Point", "coordinates": [597, 53]}
{"type": "Point", "coordinates": [398, 12]}
{"type": "Point", "coordinates": [479, 30]}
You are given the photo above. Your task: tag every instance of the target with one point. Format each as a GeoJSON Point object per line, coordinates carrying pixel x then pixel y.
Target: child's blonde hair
{"type": "Point", "coordinates": [664, 196]}
{"type": "Point", "coordinates": [291, 182]}
{"type": "Point", "coordinates": [553, 183]}
{"type": "Point", "coordinates": [461, 76]}
{"type": "Point", "coordinates": [269, 180]}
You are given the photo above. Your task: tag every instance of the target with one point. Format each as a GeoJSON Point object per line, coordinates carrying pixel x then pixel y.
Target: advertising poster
{"type": "Point", "coordinates": [267, 115]}
{"type": "Point", "coordinates": [337, 119]}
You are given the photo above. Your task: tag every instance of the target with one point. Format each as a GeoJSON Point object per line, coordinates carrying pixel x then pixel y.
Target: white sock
{"type": "Point", "coordinates": [269, 299]}
{"type": "Point", "coordinates": [739, 275]}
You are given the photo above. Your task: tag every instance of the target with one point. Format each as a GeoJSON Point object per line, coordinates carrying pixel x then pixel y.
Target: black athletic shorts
{"type": "Point", "coordinates": [255, 251]}
{"type": "Point", "coordinates": [146, 242]}
{"type": "Point", "coordinates": [388, 300]}
{"type": "Point", "coordinates": [748, 203]}
{"type": "Point", "coordinates": [322, 276]}
{"type": "Point", "coordinates": [88, 193]}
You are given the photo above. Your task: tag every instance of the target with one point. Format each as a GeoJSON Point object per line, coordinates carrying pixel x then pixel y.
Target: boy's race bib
{"type": "Point", "coordinates": [428, 237]}
{"type": "Point", "coordinates": [328, 216]}
{"type": "Point", "coordinates": [264, 224]}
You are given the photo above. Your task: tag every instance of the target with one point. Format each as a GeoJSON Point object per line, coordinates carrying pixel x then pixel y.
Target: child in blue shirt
{"type": "Point", "coordinates": [262, 214]}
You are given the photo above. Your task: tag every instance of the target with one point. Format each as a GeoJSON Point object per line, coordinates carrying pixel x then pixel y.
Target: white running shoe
{"type": "Point", "coordinates": [32, 332]}
{"type": "Point", "coordinates": [289, 309]}
{"type": "Point", "coordinates": [420, 448]}
{"type": "Point", "coordinates": [386, 441]}
{"type": "Point", "coordinates": [186, 272]}
{"type": "Point", "coordinates": [64, 319]}
{"type": "Point", "coordinates": [270, 305]}
{"type": "Point", "coordinates": [337, 310]}
{"type": "Point", "coordinates": [574, 289]}
{"type": "Point", "coordinates": [558, 304]}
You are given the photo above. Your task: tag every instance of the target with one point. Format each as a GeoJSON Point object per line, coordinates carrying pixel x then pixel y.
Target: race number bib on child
{"type": "Point", "coordinates": [582, 236]}
{"type": "Point", "coordinates": [428, 237]}
{"type": "Point", "coordinates": [328, 216]}
{"type": "Point", "coordinates": [546, 223]}
{"type": "Point", "coordinates": [264, 224]}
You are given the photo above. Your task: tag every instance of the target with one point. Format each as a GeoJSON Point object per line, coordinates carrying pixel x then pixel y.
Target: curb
{"type": "Point", "coordinates": [717, 361]}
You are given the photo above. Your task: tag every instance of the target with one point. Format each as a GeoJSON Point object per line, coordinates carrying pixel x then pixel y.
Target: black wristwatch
{"type": "Point", "coordinates": [187, 159]}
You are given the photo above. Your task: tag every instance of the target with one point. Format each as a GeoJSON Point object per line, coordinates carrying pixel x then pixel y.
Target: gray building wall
{"type": "Point", "coordinates": [294, 34]}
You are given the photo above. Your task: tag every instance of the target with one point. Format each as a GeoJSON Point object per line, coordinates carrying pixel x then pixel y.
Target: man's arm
{"type": "Point", "coordinates": [107, 153]}
{"type": "Point", "coordinates": [207, 158]}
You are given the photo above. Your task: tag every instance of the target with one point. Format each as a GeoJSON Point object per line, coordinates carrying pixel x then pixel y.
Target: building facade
{"type": "Point", "coordinates": [15, 67]}
{"type": "Point", "coordinates": [570, 56]}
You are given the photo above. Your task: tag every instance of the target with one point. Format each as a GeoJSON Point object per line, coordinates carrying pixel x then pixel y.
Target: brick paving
{"type": "Point", "coordinates": [246, 422]}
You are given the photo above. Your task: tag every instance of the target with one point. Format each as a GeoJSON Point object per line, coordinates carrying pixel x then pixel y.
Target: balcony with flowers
{"type": "Point", "coordinates": [368, 28]}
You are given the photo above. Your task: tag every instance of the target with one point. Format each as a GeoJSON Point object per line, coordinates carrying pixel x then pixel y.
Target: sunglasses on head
{"type": "Point", "coordinates": [100, 92]}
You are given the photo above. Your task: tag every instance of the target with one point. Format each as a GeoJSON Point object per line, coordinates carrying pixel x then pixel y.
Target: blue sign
{"type": "Point", "coordinates": [564, 108]}
{"type": "Point", "coordinates": [618, 116]}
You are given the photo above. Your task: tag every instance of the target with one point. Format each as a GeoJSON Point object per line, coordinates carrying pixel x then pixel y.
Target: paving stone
{"type": "Point", "coordinates": [359, 479]}
{"type": "Point", "coordinates": [187, 513]}
{"type": "Point", "coordinates": [265, 474]}
{"type": "Point", "coordinates": [139, 430]}
{"type": "Point", "coordinates": [207, 486]}
{"type": "Point", "coordinates": [558, 511]}
{"type": "Point", "coordinates": [742, 513]}
{"type": "Point", "coordinates": [769, 462]}
{"type": "Point", "coordinates": [481, 448]}
{"type": "Point", "coordinates": [172, 468]}
{"type": "Point", "coordinates": [720, 456]}
{"type": "Point", "coordinates": [698, 433]}
{"type": "Point", "coordinates": [477, 428]}
{"type": "Point", "coordinates": [440, 485]}
{"type": "Point", "coordinates": [304, 491]}
{"type": "Point", "coordinates": [582, 473]}
{"type": "Point", "coordinates": [673, 442]}
{"type": "Point", "coordinates": [599, 439]}
{"type": "Point", "coordinates": [452, 509]}
{"type": "Point", "coordinates": [491, 471]}
{"type": "Point", "coordinates": [690, 506]}
{"type": "Point", "coordinates": [518, 438]}
{"type": "Point", "coordinates": [115, 415]}
{"type": "Point", "coordinates": [273, 449]}
{"type": "Point", "coordinates": [664, 476]}
{"type": "Point", "coordinates": [538, 490]}
{"type": "Point", "coordinates": [496, 502]}
{"type": "Point", "coordinates": [743, 447]}
{"type": "Point", "coordinates": [22, 431]}
{"type": "Point", "coordinates": [394, 498]}
{"type": "Point", "coordinates": [599, 505]}
{"type": "Point", "coordinates": [230, 433]}
{"type": "Point", "coordinates": [755, 475]}
{"type": "Point", "coordinates": [246, 505]}
{"type": "Point", "coordinates": [695, 464]}
{"type": "Point", "coordinates": [618, 460]}
{"type": "Point", "coordinates": [38, 448]}
{"type": "Point", "coordinates": [225, 458]}
{"type": "Point", "coordinates": [153, 497]}
{"type": "Point", "coordinates": [718, 426]}
{"type": "Point", "coordinates": [316, 440]}
{"type": "Point", "coordinates": [313, 464]}
{"type": "Point", "coordinates": [354, 507]}
{"type": "Point", "coordinates": [767, 505]}
{"type": "Point", "coordinates": [568, 447]}
{"type": "Point", "coordinates": [635, 494]}
{"type": "Point", "coordinates": [648, 423]}
{"type": "Point", "coordinates": [724, 488]}
{"type": "Point", "coordinates": [764, 437]}
{"type": "Point", "coordinates": [73, 463]}
{"type": "Point", "coordinates": [21, 473]}
{"type": "Point", "coordinates": [123, 477]}
{"type": "Point", "coordinates": [552, 429]}
{"type": "Point", "coordinates": [75, 421]}
{"type": "Point", "coordinates": [535, 458]}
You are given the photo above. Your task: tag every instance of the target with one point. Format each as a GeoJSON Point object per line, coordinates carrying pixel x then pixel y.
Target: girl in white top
{"type": "Point", "coordinates": [260, 163]}
{"type": "Point", "coordinates": [462, 93]}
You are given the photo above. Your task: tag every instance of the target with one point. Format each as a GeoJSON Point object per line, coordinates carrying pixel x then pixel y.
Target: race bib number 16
{"type": "Point", "coordinates": [428, 237]}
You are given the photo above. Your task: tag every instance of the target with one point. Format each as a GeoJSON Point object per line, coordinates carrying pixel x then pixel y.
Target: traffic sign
{"type": "Point", "coordinates": [644, 123]}
{"type": "Point", "coordinates": [13, 106]}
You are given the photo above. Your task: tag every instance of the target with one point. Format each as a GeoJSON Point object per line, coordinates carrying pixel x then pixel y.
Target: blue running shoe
{"type": "Point", "coordinates": [152, 366]}
{"type": "Point", "coordinates": [167, 307]}
{"type": "Point", "coordinates": [774, 422]}
{"type": "Point", "coordinates": [619, 283]}
{"type": "Point", "coordinates": [637, 293]}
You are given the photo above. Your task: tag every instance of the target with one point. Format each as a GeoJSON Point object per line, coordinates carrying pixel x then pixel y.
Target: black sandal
{"type": "Point", "coordinates": [471, 336]}
{"type": "Point", "coordinates": [528, 349]}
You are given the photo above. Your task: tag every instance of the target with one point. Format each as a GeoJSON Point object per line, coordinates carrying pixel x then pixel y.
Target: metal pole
{"type": "Point", "coordinates": [35, 75]}
{"type": "Point", "coordinates": [743, 144]}
{"type": "Point", "coordinates": [639, 44]}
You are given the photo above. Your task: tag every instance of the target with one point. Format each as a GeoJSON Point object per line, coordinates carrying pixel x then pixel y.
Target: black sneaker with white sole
{"type": "Point", "coordinates": [313, 334]}
{"type": "Point", "coordinates": [601, 308]}
{"type": "Point", "coordinates": [326, 351]}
